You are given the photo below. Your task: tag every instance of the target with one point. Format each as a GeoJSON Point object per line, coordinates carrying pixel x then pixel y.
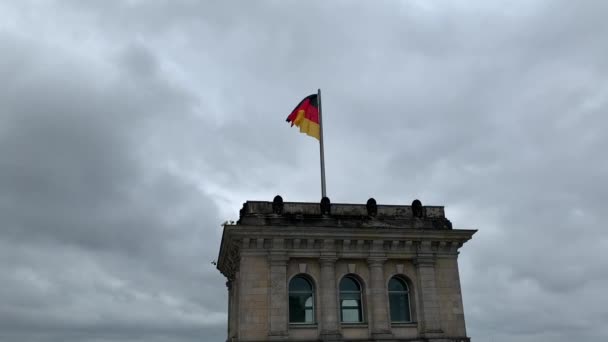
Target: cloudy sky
{"type": "Point", "coordinates": [130, 130]}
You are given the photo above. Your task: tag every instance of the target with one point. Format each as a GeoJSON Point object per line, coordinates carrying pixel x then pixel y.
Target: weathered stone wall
{"type": "Point", "coordinates": [450, 298]}
{"type": "Point", "coordinates": [253, 298]}
{"type": "Point", "coordinates": [435, 299]}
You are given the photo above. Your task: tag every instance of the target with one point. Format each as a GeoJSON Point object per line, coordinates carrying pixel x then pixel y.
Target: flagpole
{"type": "Point", "coordinates": [323, 193]}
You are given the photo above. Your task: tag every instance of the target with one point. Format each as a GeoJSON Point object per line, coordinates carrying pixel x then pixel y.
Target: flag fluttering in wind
{"type": "Point", "coordinates": [306, 116]}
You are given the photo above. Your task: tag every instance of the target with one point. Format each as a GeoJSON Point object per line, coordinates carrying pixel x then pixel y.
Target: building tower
{"type": "Point", "coordinates": [343, 272]}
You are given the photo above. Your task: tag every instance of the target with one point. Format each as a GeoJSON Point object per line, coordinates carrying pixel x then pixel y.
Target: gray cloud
{"type": "Point", "coordinates": [99, 241]}
{"type": "Point", "coordinates": [129, 131]}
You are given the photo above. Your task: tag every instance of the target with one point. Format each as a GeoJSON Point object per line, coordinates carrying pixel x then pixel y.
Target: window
{"type": "Point", "coordinates": [399, 299]}
{"type": "Point", "coordinates": [350, 300]}
{"type": "Point", "coordinates": [301, 300]}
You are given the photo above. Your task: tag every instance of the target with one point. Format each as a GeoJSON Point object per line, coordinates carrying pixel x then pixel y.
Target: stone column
{"type": "Point", "coordinates": [429, 299]}
{"type": "Point", "coordinates": [279, 313]}
{"type": "Point", "coordinates": [377, 291]}
{"type": "Point", "coordinates": [329, 300]}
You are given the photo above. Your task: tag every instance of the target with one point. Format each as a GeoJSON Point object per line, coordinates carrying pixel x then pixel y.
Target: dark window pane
{"type": "Point", "coordinates": [301, 302]}
{"type": "Point", "coordinates": [300, 284]}
{"type": "Point", "coordinates": [347, 295]}
{"type": "Point", "coordinates": [296, 309]}
{"type": "Point", "coordinates": [397, 284]}
{"type": "Point", "coordinates": [300, 308]}
{"type": "Point", "coordinates": [400, 307]}
{"type": "Point", "coordinates": [348, 284]}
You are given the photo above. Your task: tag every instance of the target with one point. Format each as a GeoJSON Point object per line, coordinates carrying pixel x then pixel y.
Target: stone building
{"type": "Point", "coordinates": [343, 272]}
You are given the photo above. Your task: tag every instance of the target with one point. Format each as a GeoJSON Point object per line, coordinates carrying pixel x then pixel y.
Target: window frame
{"type": "Point", "coordinates": [407, 293]}
{"type": "Point", "coordinates": [312, 292]}
{"type": "Point", "coordinates": [361, 312]}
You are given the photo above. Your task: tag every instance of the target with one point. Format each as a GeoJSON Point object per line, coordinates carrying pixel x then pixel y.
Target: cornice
{"type": "Point", "coordinates": [288, 242]}
{"type": "Point", "coordinates": [367, 233]}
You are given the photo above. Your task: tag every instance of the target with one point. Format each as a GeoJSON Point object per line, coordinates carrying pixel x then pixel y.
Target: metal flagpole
{"type": "Point", "coordinates": [323, 193]}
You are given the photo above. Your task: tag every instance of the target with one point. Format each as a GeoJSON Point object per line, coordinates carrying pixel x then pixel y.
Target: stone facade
{"type": "Point", "coordinates": [274, 241]}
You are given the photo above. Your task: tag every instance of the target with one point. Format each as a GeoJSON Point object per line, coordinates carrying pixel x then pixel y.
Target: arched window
{"type": "Point", "coordinates": [399, 299]}
{"type": "Point", "coordinates": [301, 300]}
{"type": "Point", "coordinates": [350, 301]}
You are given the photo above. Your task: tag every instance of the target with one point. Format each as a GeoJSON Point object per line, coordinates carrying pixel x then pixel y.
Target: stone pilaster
{"type": "Point", "coordinates": [328, 296]}
{"type": "Point", "coordinates": [377, 291]}
{"type": "Point", "coordinates": [233, 315]}
{"type": "Point", "coordinates": [429, 298]}
{"type": "Point", "coordinates": [279, 313]}
{"type": "Point", "coordinates": [230, 307]}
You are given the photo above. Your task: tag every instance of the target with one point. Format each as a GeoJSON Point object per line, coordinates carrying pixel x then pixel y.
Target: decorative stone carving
{"type": "Point", "coordinates": [302, 268]}
{"type": "Point", "coordinates": [230, 264]}
{"type": "Point", "coordinates": [417, 209]}
{"type": "Point", "coordinates": [325, 206]}
{"type": "Point", "coordinates": [352, 268]}
{"type": "Point", "coordinates": [448, 224]}
{"type": "Point", "coordinates": [442, 223]}
{"type": "Point", "coordinates": [372, 207]}
{"type": "Point", "coordinates": [277, 205]}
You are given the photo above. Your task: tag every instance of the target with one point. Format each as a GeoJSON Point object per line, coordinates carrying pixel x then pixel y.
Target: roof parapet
{"type": "Point", "coordinates": [329, 214]}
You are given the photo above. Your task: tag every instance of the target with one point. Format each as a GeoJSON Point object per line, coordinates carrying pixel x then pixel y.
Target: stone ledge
{"type": "Point", "coordinates": [353, 325]}
{"type": "Point", "coordinates": [404, 324]}
{"type": "Point", "coordinates": [303, 326]}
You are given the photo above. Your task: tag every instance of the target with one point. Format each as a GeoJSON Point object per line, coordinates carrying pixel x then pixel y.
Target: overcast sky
{"type": "Point", "coordinates": [129, 131]}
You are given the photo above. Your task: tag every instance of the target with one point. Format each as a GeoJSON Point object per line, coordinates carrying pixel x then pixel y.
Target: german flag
{"type": "Point", "coordinates": [306, 116]}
